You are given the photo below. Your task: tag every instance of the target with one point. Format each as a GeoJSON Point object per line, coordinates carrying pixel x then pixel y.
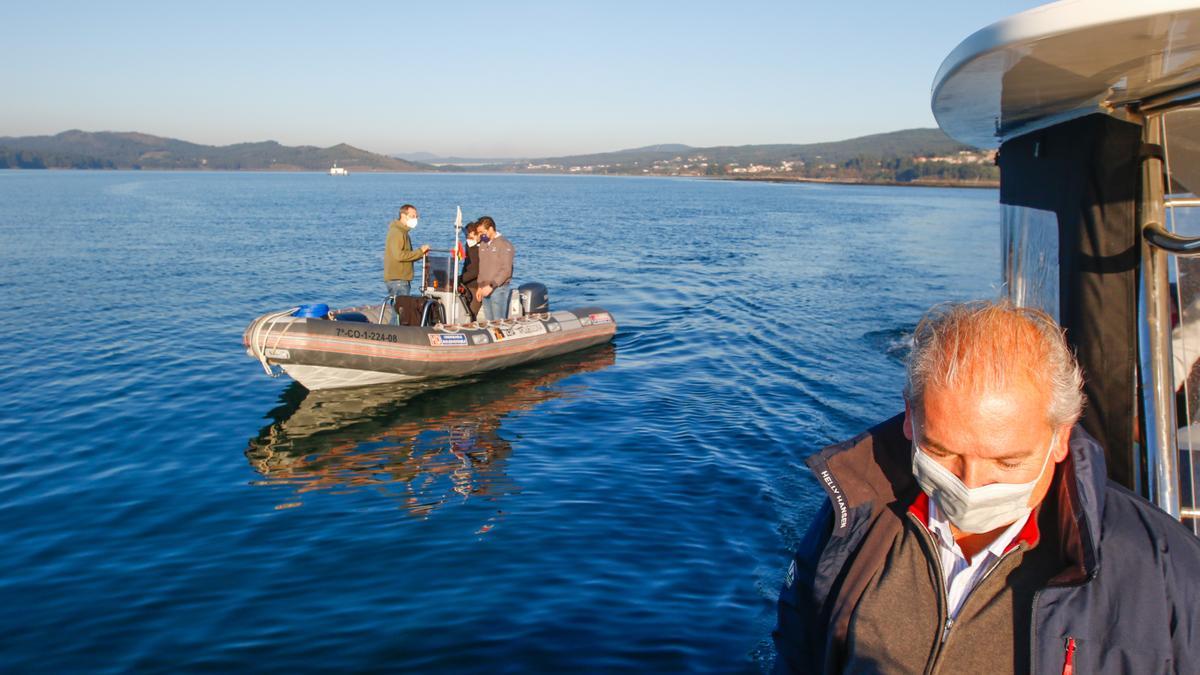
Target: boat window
{"type": "Point", "coordinates": [1181, 141]}
{"type": "Point", "coordinates": [1185, 350]}
{"type": "Point", "coordinates": [1030, 250]}
{"type": "Point", "coordinates": [1181, 144]}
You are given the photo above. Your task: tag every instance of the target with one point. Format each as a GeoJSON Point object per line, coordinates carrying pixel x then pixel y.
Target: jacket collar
{"type": "Point", "coordinates": [873, 471]}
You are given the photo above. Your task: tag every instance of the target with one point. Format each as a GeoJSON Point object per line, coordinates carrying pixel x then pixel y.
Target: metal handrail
{"type": "Point", "coordinates": [1154, 332]}
{"type": "Point", "coordinates": [1159, 237]}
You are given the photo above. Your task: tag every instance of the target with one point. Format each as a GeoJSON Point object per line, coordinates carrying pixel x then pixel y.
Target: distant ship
{"type": "Point", "coordinates": [338, 171]}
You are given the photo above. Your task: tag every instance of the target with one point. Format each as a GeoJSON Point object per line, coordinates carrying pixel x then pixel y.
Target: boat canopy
{"type": "Point", "coordinates": [1065, 60]}
{"type": "Point", "coordinates": [1095, 107]}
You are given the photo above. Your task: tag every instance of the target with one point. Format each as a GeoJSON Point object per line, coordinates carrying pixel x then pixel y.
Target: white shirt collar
{"type": "Point", "coordinates": [940, 527]}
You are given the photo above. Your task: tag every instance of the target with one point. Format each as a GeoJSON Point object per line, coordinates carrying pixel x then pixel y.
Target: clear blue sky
{"type": "Point", "coordinates": [481, 78]}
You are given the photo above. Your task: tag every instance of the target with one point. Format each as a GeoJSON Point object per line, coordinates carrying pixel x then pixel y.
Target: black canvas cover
{"type": "Point", "coordinates": [1086, 171]}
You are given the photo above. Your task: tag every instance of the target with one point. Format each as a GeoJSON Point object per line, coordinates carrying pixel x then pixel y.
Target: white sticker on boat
{"type": "Point", "coordinates": [479, 338]}
{"type": "Point", "coordinates": [554, 327]}
{"type": "Point", "coordinates": [602, 317]}
{"type": "Point", "coordinates": [448, 340]}
{"type": "Point", "coordinates": [520, 330]}
{"type": "Point", "coordinates": [277, 353]}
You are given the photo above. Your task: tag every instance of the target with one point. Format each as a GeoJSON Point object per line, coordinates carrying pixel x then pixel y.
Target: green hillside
{"type": "Point", "coordinates": [127, 150]}
{"type": "Point", "coordinates": [909, 155]}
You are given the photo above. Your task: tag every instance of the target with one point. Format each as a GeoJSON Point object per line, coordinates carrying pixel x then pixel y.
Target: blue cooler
{"type": "Point", "coordinates": [317, 311]}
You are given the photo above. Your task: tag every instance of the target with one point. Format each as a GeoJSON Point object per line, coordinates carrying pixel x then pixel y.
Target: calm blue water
{"type": "Point", "coordinates": [165, 506]}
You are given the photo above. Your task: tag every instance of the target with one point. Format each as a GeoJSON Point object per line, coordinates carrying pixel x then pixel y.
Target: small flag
{"type": "Point", "coordinates": [459, 253]}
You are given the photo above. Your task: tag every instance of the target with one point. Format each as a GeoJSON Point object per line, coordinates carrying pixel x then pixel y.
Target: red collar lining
{"type": "Point", "coordinates": [1030, 534]}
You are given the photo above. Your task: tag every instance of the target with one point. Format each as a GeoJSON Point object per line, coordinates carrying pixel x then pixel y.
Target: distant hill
{"type": "Point", "coordinates": [906, 156]}
{"type": "Point", "coordinates": [904, 143]}
{"type": "Point", "coordinates": [438, 160]}
{"type": "Point", "coordinates": [130, 150]}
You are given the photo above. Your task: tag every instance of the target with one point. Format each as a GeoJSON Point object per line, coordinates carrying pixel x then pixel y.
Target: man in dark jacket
{"type": "Point", "coordinates": [978, 532]}
{"type": "Point", "coordinates": [469, 277]}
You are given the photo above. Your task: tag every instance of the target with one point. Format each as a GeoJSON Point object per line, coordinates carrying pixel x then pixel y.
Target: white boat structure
{"type": "Point", "coordinates": [336, 170]}
{"type": "Point", "coordinates": [1095, 108]}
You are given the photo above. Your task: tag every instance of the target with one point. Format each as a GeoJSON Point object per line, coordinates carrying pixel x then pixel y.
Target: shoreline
{"type": "Point", "coordinates": [976, 185]}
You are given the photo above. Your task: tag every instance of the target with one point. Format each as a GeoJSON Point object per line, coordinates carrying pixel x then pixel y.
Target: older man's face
{"type": "Point", "coordinates": [999, 436]}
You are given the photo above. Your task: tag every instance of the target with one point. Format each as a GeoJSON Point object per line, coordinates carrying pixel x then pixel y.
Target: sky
{"type": "Point", "coordinates": [481, 79]}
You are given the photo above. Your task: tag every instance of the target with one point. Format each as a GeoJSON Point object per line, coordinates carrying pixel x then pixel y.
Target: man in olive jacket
{"type": "Point", "coordinates": [398, 253]}
{"type": "Point", "coordinates": [978, 532]}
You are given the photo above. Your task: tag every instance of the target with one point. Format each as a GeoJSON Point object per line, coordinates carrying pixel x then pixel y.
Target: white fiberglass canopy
{"type": "Point", "coordinates": [1064, 60]}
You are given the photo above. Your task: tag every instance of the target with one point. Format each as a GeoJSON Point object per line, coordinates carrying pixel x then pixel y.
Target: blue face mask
{"type": "Point", "coordinates": [484, 238]}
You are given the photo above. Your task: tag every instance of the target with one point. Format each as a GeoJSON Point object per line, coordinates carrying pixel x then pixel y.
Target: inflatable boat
{"type": "Point", "coordinates": [419, 338]}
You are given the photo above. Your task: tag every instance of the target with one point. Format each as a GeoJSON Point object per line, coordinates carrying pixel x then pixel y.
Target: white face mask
{"type": "Point", "coordinates": [975, 510]}
{"type": "Point", "coordinates": [412, 223]}
{"type": "Point", "coordinates": [471, 242]}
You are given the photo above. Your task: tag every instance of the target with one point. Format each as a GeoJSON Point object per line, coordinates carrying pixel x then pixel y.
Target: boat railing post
{"type": "Point", "coordinates": [454, 266]}
{"type": "Point", "coordinates": [1154, 337]}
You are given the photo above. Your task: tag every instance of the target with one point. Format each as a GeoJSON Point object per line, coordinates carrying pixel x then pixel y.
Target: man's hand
{"type": "Point", "coordinates": [482, 292]}
{"type": "Point", "coordinates": [424, 249]}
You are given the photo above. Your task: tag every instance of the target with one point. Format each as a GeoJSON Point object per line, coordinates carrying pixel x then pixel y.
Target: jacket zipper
{"type": "Point", "coordinates": [963, 603]}
{"type": "Point", "coordinates": [1069, 660]}
{"type": "Point", "coordinates": [940, 585]}
{"type": "Point", "coordinates": [935, 554]}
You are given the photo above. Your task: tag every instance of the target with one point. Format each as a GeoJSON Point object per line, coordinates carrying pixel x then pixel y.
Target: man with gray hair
{"type": "Point", "coordinates": [977, 532]}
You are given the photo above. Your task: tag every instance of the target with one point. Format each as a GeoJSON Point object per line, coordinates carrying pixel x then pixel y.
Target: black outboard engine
{"type": "Point", "coordinates": [535, 299]}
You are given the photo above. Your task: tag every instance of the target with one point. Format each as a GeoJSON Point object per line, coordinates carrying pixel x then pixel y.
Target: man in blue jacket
{"type": "Point", "coordinates": [978, 532]}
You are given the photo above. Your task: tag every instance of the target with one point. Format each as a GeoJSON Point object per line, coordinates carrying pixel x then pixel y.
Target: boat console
{"type": "Point", "coordinates": [437, 277]}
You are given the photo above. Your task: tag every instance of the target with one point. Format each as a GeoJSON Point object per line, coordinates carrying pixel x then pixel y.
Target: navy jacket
{"type": "Point", "coordinates": [1129, 600]}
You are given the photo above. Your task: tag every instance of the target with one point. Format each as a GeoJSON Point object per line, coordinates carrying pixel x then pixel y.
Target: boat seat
{"type": "Point", "coordinates": [409, 309]}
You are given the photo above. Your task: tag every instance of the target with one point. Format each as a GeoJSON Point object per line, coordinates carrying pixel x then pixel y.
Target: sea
{"type": "Point", "coordinates": [167, 507]}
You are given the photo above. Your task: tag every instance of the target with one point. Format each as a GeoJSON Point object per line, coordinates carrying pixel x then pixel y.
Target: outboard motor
{"type": "Point", "coordinates": [534, 298]}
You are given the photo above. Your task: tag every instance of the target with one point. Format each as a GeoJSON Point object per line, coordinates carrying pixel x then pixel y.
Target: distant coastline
{"type": "Point", "coordinates": [910, 157]}
{"type": "Point", "coordinates": [977, 185]}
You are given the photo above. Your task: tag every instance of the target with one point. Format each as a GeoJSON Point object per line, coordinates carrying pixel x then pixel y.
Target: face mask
{"type": "Point", "coordinates": [975, 510]}
{"type": "Point", "coordinates": [412, 223]}
{"type": "Point", "coordinates": [484, 238]}
{"type": "Point", "coordinates": [471, 242]}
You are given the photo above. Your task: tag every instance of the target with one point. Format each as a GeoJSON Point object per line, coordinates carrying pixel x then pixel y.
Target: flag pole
{"type": "Point", "coordinates": [454, 289]}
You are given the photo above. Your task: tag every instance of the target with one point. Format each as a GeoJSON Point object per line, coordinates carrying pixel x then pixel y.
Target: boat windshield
{"type": "Point", "coordinates": [438, 272]}
{"type": "Point", "coordinates": [1181, 145]}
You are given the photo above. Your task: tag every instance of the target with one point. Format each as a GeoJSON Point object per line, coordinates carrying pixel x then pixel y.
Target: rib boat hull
{"type": "Point", "coordinates": [331, 354]}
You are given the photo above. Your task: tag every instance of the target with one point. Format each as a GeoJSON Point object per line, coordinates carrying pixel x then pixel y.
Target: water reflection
{"type": "Point", "coordinates": [422, 444]}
